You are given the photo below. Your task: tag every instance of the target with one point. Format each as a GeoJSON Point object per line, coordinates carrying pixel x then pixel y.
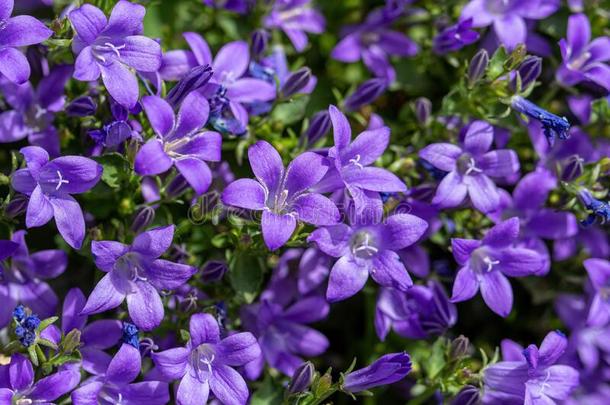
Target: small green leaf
{"type": "Point", "coordinates": [46, 322]}
{"type": "Point", "coordinates": [115, 167]}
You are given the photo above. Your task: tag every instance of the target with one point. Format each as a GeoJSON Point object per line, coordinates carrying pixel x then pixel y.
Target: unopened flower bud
{"type": "Point", "coordinates": [213, 271]}
{"type": "Point", "coordinates": [469, 395]}
{"type": "Point", "coordinates": [193, 80]}
{"type": "Point", "coordinates": [72, 341]}
{"type": "Point", "coordinates": [365, 94]}
{"type": "Point", "coordinates": [318, 127]}
{"type": "Point", "coordinates": [302, 378]}
{"type": "Point", "coordinates": [423, 110]}
{"type": "Point", "coordinates": [528, 71]}
{"type": "Point", "coordinates": [296, 82]}
{"type": "Point", "coordinates": [460, 347]}
{"type": "Point", "coordinates": [478, 66]}
{"type": "Point", "coordinates": [81, 107]}
{"type": "Point", "coordinates": [259, 41]}
{"type": "Point", "coordinates": [177, 186]}
{"type": "Point", "coordinates": [573, 169]}
{"type": "Point", "coordinates": [143, 219]}
{"type": "Point", "coordinates": [16, 206]}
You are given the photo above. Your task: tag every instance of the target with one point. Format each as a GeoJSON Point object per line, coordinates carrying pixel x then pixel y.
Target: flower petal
{"type": "Point", "coordinates": [244, 193]}
{"type": "Point", "coordinates": [69, 219]}
{"type": "Point", "coordinates": [346, 279]}
{"type": "Point", "coordinates": [204, 329]}
{"type": "Point", "coordinates": [14, 65]}
{"type": "Point", "coordinates": [228, 385]}
{"type": "Point", "coordinates": [316, 209]}
{"type": "Point", "coordinates": [172, 363]}
{"type": "Point", "coordinates": [125, 365]}
{"type": "Point", "coordinates": [152, 159]}
{"type": "Point", "coordinates": [103, 297]}
{"type": "Point", "coordinates": [497, 293]}
{"type": "Point", "coordinates": [145, 306]}
{"type": "Point", "coordinates": [40, 210]}
{"type": "Point", "coordinates": [266, 164]}
{"type": "Point", "coordinates": [277, 229]}
{"type": "Point", "coordinates": [196, 172]}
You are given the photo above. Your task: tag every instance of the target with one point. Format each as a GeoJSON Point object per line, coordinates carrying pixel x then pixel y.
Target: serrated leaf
{"type": "Point", "coordinates": [115, 167]}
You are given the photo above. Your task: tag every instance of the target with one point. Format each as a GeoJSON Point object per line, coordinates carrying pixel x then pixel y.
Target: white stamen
{"type": "Point", "coordinates": [60, 181]}
{"type": "Point", "coordinates": [472, 167]}
{"type": "Point", "coordinates": [356, 161]}
{"type": "Point", "coordinates": [490, 263]}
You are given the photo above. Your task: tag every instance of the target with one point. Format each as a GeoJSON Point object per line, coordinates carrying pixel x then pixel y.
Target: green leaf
{"type": "Point", "coordinates": [495, 68]}
{"type": "Point", "coordinates": [46, 322]}
{"type": "Point", "coordinates": [291, 111]}
{"type": "Point", "coordinates": [246, 275]}
{"type": "Point", "coordinates": [115, 167]}
{"type": "Point", "coordinates": [269, 393]}
{"type": "Point", "coordinates": [185, 336]}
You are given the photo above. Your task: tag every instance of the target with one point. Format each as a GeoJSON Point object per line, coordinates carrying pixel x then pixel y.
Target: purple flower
{"type": "Point", "coordinates": [283, 334]}
{"type": "Point", "coordinates": [508, 17]}
{"type": "Point", "coordinates": [295, 18]}
{"type": "Point", "coordinates": [366, 247]}
{"type": "Point", "coordinates": [136, 273]}
{"type": "Point", "coordinates": [486, 263]}
{"type": "Point", "coordinates": [206, 363]}
{"type": "Point", "coordinates": [534, 378]}
{"type": "Point", "coordinates": [583, 59]}
{"type": "Point", "coordinates": [112, 47]}
{"type": "Point", "coordinates": [418, 313]}
{"type": "Point", "coordinates": [351, 162]}
{"type": "Point", "coordinates": [282, 194]}
{"type": "Point", "coordinates": [22, 280]}
{"type": "Point", "coordinates": [469, 167]}
{"type": "Point", "coordinates": [115, 385]}
{"type": "Point", "coordinates": [20, 388]}
{"type": "Point", "coordinates": [599, 275]}
{"type": "Point", "coordinates": [237, 6]}
{"type": "Point", "coordinates": [181, 141]}
{"type": "Point", "coordinates": [553, 125]}
{"type": "Point", "coordinates": [387, 369]}
{"type": "Point", "coordinates": [455, 37]}
{"type": "Point", "coordinates": [374, 42]}
{"type": "Point", "coordinates": [15, 32]}
{"type": "Point", "coordinates": [536, 222]}
{"type": "Point", "coordinates": [50, 185]}
{"type": "Point", "coordinates": [33, 110]}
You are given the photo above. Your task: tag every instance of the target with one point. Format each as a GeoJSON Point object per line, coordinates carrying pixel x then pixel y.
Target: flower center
{"type": "Point", "coordinates": [356, 162]}
{"type": "Point", "coordinates": [128, 269]}
{"type": "Point", "coordinates": [467, 165]}
{"type": "Point", "coordinates": [23, 401]}
{"type": "Point", "coordinates": [580, 61]}
{"type": "Point", "coordinates": [60, 181]}
{"type": "Point", "coordinates": [105, 49]}
{"type": "Point", "coordinates": [202, 359]}
{"type": "Point", "coordinates": [280, 202]}
{"type": "Point", "coordinates": [482, 261]}
{"type": "Point", "coordinates": [363, 245]}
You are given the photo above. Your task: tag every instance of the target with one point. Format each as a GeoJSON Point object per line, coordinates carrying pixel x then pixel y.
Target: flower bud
{"type": "Point", "coordinates": [193, 80]}
{"type": "Point", "coordinates": [318, 127]}
{"type": "Point", "coordinates": [177, 186]}
{"type": "Point", "coordinates": [478, 66]}
{"type": "Point", "coordinates": [573, 169]}
{"type": "Point", "coordinates": [469, 395]}
{"type": "Point", "coordinates": [302, 378]}
{"type": "Point", "coordinates": [365, 94]}
{"type": "Point", "coordinates": [16, 206]}
{"type": "Point", "coordinates": [72, 341]}
{"type": "Point", "coordinates": [528, 71]}
{"type": "Point", "coordinates": [258, 43]}
{"type": "Point", "coordinates": [81, 107]}
{"type": "Point", "coordinates": [213, 271]}
{"type": "Point", "coordinates": [143, 219]}
{"type": "Point", "coordinates": [296, 82]}
{"type": "Point", "coordinates": [460, 348]}
{"type": "Point", "coordinates": [423, 110]}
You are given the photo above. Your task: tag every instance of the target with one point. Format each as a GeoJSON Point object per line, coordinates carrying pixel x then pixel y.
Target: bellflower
{"type": "Point", "coordinates": [114, 133]}
{"type": "Point", "coordinates": [33, 110]}
{"type": "Point", "coordinates": [583, 59]}
{"type": "Point", "coordinates": [15, 32]}
{"type": "Point", "coordinates": [374, 42]}
{"type": "Point", "coordinates": [136, 273]}
{"type": "Point", "coordinates": [368, 246]}
{"type": "Point", "coordinates": [181, 141]}
{"type": "Point", "coordinates": [112, 47]}
{"type": "Point", "coordinates": [553, 125]}
{"type": "Point", "coordinates": [536, 221]}
{"type": "Point", "coordinates": [533, 379]}
{"type": "Point", "coordinates": [50, 185]}
{"type": "Point", "coordinates": [116, 386]}
{"type": "Point", "coordinates": [486, 263]}
{"type": "Point", "coordinates": [20, 387]}
{"type": "Point", "coordinates": [387, 369]}
{"type": "Point", "coordinates": [470, 167]}
{"type": "Point", "coordinates": [455, 37]}
{"type": "Point", "coordinates": [282, 194]}
{"type": "Point", "coordinates": [237, 6]}
{"type": "Point", "coordinates": [508, 17]}
{"type": "Point", "coordinates": [351, 162]}
{"type": "Point", "coordinates": [599, 275]}
{"type": "Point", "coordinates": [295, 18]}
{"type": "Point", "coordinates": [283, 334]}
{"type": "Point", "coordinates": [418, 313]}
{"type": "Point", "coordinates": [207, 363]}
{"type": "Point", "coordinates": [23, 280]}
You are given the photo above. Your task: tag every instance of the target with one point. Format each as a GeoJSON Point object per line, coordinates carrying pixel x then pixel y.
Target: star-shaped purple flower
{"type": "Point", "coordinates": [50, 185]}
{"type": "Point", "coordinates": [295, 18]}
{"type": "Point", "coordinates": [583, 59]}
{"type": "Point", "coordinates": [486, 263]}
{"type": "Point", "coordinates": [282, 194]}
{"type": "Point", "coordinates": [112, 47]}
{"type": "Point", "coordinates": [15, 32]}
{"type": "Point", "coordinates": [206, 363]}
{"type": "Point", "coordinates": [135, 273]}
{"type": "Point", "coordinates": [470, 167]}
{"type": "Point", "coordinates": [181, 141]}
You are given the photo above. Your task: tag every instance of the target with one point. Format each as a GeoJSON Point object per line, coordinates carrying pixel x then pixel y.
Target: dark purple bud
{"type": "Point", "coordinates": [573, 169]}
{"type": "Point", "coordinates": [528, 71]}
{"type": "Point", "coordinates": [296, 82]}
{"type": "Point", "coordinates": [388, 369]}
{"type": "Point", "coordinates": [116, 133]}
{"type": "Point", "coordinates": [177, 186]}
{"type": "Point", "coordinates": [143, 219]}
{"type": "Point", "coordinates": [469, 395]}
{"type": "Point", "coordinates": [37, 58]}
{"type": "Point", "coordinates": [478, 66]}
{"type": "Point", "coordinates": [302, 378]}
{"type": "Point", "coordinates": [81, 107]}
{"type": "Point", "coordinates": [460, 348]}
{"type": "Point", "coordinates": [365, 94]}
{"type": "Point", "coordinates": [193, 80]}
{"type": "Point", "coordinates": [16, 206]}
{"type": "Point", "coordinates": [119, 112]}
{"type": "Point", "coordinates": [259, 42]}
{"type": "Point", "coordinates": [213, 271]}
{"type": "Point", "coordinates": [318, 127]}
{"type": "Point", "coordinates": [423, 110]}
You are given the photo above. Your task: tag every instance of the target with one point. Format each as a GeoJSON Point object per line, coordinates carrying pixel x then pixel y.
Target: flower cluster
{"type": "Point", "coordinates": [267, 201]}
